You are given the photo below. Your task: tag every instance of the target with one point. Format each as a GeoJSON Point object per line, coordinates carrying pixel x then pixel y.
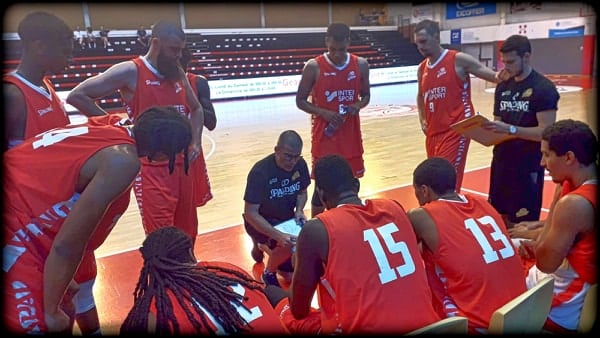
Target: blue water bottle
{"type": "Point", "coordinates": [330, 129]}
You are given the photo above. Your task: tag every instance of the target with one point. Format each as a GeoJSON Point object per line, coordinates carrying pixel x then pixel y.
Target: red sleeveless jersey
{"type": "Point", "coordinates": [45, 110]}
{"type": "Point", "coordinates": [41, 196]}
{"type": "Point", "coordinates": [446, 97]}
{"type": "Point", "coordinates": [582, 256]}
{"type": "Point", "coordinates": [374, 279]}
{"type": "Point", "coordinates": [40, 176]}
{"type": "Point", "coordinates": [335, 87]}
{"type": "Point", "coordinates": [475, 269]}
{"type": "Point", "coordinates": [153, 90]}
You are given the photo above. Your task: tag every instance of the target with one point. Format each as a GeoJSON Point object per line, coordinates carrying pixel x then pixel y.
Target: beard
{"type": "Point", "coordinates": [168, 68]}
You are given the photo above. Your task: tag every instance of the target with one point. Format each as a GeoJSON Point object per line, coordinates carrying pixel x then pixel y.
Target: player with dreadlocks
{"type": "Point", "coordinates": [64, 190]}
{"type": "Point", "coordinates": [177, 295]}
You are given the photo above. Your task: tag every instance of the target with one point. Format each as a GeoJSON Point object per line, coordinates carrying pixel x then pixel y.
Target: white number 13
{"type": "Point", "coordinates": [489, 254]}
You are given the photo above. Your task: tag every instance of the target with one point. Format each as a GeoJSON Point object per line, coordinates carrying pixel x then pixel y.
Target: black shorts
{"type": "Point", "coordinates": [517, 193]}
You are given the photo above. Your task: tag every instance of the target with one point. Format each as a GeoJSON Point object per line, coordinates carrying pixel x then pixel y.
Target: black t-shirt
{"type": "Point", "coordinates": [275, 189]}
{"type": "Point", "coordinates": [517, 103]}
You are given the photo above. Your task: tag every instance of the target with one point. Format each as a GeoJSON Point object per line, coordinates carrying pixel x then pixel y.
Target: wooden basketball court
{"type": "Point", "coordinates": [247, 131]}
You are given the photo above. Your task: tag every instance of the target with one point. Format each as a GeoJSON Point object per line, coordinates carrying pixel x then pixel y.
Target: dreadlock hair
{"type": "Point", "coordinates": [169, 264]}
{"type": "Point", "coordinates": [162, 129]}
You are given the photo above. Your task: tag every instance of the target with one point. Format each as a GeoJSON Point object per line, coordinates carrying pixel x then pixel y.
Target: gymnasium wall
{"type": "Point", "coordinates": [222, 15]}
{"type": "Point", "coordinates": [72, 13]}
{"type": "Point", "coordinates": [127, 16]}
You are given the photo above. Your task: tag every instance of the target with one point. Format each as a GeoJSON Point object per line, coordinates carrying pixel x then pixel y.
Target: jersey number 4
{"type": "Point", "coordinates": [56, 135]}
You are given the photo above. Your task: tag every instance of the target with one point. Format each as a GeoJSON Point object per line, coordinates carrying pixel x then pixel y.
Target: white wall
{"type": "Point", "coordinates": [503, 15]}
{"type": "Point", "coordinates": [534, 30]}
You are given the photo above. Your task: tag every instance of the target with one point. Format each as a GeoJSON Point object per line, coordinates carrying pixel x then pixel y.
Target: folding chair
{"type": "Point", "coordinates": [588, 312]}
{"type": "Point", "coordinates": [526, 313]}
{"type": "Point", "coordinates": [456, 325]}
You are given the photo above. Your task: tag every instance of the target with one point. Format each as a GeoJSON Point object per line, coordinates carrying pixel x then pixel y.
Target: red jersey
{"type": "Point", "coordinates": [259, 313]}
{"type": "Point", "coordinates": [45, 110]}
{"type": "Point", "coordinates": [374, 279]}
{"type": "Point", "coordinates": [446, 97]}
{"type": "Point", "coordinates": [153, 90]}
{"type": "Point", "coordinates": [202, 192]}
{"type": "Point", "coordinates": [578, 272]}
{"type": "Point", "coordinates": [336, 86]}
{"type": "Point", "coordinates": [582, 256]}
{"type": "Point", "coordinates": [39, 192]}
{"type": "Point", "coordinates": [475, 268]}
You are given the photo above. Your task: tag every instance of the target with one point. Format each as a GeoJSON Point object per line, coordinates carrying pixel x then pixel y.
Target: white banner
{"type": "Point", "coordinates": [274, 85]}
{"type": "Point", "coordinates": [421, 12]}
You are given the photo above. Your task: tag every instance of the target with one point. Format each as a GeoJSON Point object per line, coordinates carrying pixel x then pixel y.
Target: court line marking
{"type": "Point", "coordinates": [213, 146]}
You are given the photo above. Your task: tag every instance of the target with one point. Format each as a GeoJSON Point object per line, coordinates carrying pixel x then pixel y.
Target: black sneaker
{"type": "Point", "coordinates": [257, 254]}
{"type": "Point", "coordinates": [270, 278]}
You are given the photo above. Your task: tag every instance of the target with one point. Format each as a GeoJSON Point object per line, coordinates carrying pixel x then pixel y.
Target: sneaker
{"type": "Point", "coordinates": [257, 254]}
{"type": "Point", "coordinates": [270, 278]}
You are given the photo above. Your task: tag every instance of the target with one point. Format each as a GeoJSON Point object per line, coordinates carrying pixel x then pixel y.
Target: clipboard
{"type": "Point", "coordinates": [289, 227]}
{"type": "Point", "coordinates": [471, 128]}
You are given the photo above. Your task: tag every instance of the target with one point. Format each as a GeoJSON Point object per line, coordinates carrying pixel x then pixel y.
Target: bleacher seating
{"type": "Point", "coordinates": [231, 56]}
{"type": "Point", "coordinates": [256, 55]}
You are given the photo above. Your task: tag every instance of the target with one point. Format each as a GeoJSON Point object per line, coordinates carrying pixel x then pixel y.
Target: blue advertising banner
{"type": "Point", "coordinates": [455, 37]}
{"type": "Point", "coordinates": [457, 10]}
{"type": "Point", "coordinates": [566, 32]}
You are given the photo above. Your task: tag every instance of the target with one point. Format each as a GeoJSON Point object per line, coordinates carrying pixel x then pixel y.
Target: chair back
{"type": "Point", "coordinates": [588, 311]}
{"type": "Point", "coordinates": [451, 325]}
{"type": "Point", "coordinates": [526, 313]}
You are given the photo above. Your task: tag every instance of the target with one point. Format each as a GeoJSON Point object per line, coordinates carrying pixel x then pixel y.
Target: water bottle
{"type": "Point", "coordinates": [330, 129]}
{"type": "Point", "coordinates": [294, 239]}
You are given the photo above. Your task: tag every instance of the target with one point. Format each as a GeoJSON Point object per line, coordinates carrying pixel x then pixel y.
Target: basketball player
{"type": "Point", "coordinates": [566, 248]}
{"type": "Point", "coordinates": [444, 95]}
{"type": "Point", "coordinates": [50, 219]}
{"type": "Point", "coordinates": [337, 83]}
{"type": "Point", "coordinates": [364, 259]}
{"type": "Point", "coordinates": [221, 298]}
{"type": "Point", "coordinates": [31, 105]}
{"type": "Point", "coordinates": [472, 266]}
